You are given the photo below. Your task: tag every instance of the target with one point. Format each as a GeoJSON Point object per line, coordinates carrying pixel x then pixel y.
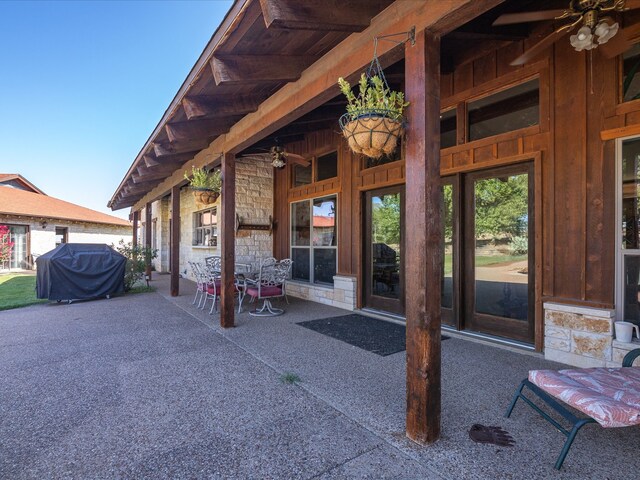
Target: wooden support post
{"type": "Point", "coordinates": [136, 216]}
{"type": "Point", "coordinates": [228, 239]}
{"type": "Point", "coordinates": [174, 265]}
{"type": "Point", "coordinates": [147, 237]}
{"type": "Point", "coordinates": [423, 247]}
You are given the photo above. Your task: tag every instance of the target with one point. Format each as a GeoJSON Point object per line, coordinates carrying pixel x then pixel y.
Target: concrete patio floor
{"type": "Point", "coordinates": [146, 386]}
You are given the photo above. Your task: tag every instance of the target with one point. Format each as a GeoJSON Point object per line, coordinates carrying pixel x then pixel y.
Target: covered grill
{"type": "Point", "coordinates": [76, 271]}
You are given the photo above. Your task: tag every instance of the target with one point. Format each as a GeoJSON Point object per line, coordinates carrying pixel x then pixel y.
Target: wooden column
{"type": "Point", "coordinates": [175, 241]}
{"type": "Point", "coordinates": [424, 238]}
{"type": "Point", "coordinates": [147, 236]}
{"type": "Point", "coordinates": [136, 216]}
{"type": "Point", "coordinates": [227, 239]}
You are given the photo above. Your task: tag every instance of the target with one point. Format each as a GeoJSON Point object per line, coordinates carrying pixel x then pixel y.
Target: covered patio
{"type": "Point", "coordinates": [147, 385]}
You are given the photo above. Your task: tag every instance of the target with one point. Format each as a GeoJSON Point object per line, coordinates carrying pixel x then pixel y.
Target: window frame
{"type": "Point", "coordinates": [313, 159]}
{"type": "Point", "coordinates": [213, 226]}
{"type": "Point", "coordinates": [310, 248]}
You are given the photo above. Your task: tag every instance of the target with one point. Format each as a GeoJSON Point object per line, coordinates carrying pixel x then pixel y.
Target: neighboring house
{"type": "Point", "coordinates": [38, 222]}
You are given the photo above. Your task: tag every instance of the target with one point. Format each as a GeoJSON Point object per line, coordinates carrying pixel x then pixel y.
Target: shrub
{"type": "Point", "coordinates": [373, 96]}
{"type": "Point", "coordinates": [519, 245]}
{"type": "Point", "coordinates": [6, 245]}
{"type": "Point", "coordinates": [137, 258]}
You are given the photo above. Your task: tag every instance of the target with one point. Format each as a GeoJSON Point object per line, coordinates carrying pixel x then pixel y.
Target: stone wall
{"type": "Point", "coordinates": [577, 335]}
{"type": "Point", "coordinates": [42, 240]}
{"type": "Point", "coordinates": [254, 203]}
{"type": "Point", "coordinates": [342, 295]}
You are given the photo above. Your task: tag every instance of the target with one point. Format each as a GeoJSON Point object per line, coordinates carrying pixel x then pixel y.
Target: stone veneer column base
{"type": "Point", "coordinates": [342, 295]}
{"type": "Point", "coordinates": [578, 336]}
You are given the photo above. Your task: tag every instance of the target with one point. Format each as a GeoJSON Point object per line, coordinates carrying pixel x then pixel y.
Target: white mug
{"type": "Point", "coordinates": [624, 331]}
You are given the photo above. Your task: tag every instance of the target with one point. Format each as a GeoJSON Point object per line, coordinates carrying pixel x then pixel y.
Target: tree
{"type": "Point", "coordinates": [386, 220]}
{"type": "Point", "coordinates": [502, 206]}
{"type": "Point", "coordinates": [6, 245]}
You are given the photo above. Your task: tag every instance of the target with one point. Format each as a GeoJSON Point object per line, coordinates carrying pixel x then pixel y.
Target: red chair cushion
{"type": "Point", "coordinates": [275, 291]}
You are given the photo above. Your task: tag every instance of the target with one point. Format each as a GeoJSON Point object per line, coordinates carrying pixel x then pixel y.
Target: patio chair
{"type": "Point", "coordinates": [214, 262]}
{"type": "Point", "coordinates": [269, 284]}
{"type": "Point", "coordinates": [213, 284]}
{"type": "Point", "coordinates": [198, 274]}
{"type": "Point", "coordinates": [288, 264]}
{"type": "Point", "coordinates": [608, 396]}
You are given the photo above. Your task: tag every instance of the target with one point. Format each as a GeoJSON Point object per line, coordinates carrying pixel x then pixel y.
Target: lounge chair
{"type": "Point", "coordinates": [608, 396]}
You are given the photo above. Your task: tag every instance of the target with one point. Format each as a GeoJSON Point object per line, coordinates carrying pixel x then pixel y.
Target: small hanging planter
{"type": "Point", "coordinates": [374, 121]}
{"type": "Point", "coordinates": [206, 185]}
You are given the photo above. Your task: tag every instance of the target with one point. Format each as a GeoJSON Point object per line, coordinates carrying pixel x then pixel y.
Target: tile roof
{"type": "Point", "coordinates": [14, 201]}
{"type": "Point", "coordinates": [5, 177]}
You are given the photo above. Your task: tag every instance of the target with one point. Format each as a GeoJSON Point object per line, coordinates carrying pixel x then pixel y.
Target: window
{"type": "Point", "coordinates": [448, 131]}
{"type": "Point", "coordinates": [511, 109]}
{"type": "Point", "coordinates": [62, 235]}
{"type": "Point", "coordinates": [630, 70]}
{"type": "Point", "coordinates": [628, 291]}
{"type": "Point", "coordinates": [327, 166]}
{"type": "Point", "coordinates": [205, 228]}
{"type": "Point", "coordinates": [314, 240]}
{"type": "Point", "coordinates": [321, 167]}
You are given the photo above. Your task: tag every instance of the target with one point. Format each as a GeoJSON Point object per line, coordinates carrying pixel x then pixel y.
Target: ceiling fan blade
{"type": "Point", "coordinates": [541, 46]}
{"type": "Point", "coordinates": [523, 17]}
{"type": "Point", "coordinates": [297, 159]}
{"type": "Point", "coordinates": [622, 42]}
{"type": "Point", "coordinates": [294, 155]}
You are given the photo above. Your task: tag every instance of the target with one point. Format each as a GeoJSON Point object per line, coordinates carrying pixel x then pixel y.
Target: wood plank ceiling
{"type": "Point", "coordinates": [268, 44]}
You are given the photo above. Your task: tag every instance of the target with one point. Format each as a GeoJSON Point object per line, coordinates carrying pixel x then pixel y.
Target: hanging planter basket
{"type": "Point", "coordinates": [204, 195]}
{"type": "Point", "coordinates": [374, 121]}
{"type": "Point", "coordinates": [372, 133]}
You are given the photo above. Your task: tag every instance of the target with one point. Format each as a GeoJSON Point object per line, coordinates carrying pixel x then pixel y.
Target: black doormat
{"type": "Point", "coordinates": [371, 334]}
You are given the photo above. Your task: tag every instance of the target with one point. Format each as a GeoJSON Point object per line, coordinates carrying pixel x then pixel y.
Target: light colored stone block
{"type": "Point", "coordinates": [557, 332]}
{"type": "Point", "coordinates": [593, 324]}
{"type": "Point", "coordinates": [591, 345]}
{"type": "Point", "coordinates": [558, 344]}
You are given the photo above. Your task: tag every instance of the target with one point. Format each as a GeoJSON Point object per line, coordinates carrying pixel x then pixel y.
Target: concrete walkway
{"type": "Point", "coordinates": [146, 386]}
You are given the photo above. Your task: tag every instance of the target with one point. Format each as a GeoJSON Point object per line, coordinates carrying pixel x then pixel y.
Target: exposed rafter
{"type": "Point", "coordinates": [190, 148]}
{"type": "Point", "coordinates": [328, 15]}
{"type": "Point", "coordinates": [187, 131]}
{"type": "Point", "coordinates": [214, 106]}
{"type": "Point", "coordinates": [249, 69]}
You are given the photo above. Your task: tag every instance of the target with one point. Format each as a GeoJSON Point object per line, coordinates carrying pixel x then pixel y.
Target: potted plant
{"type": "Point", "coordinates": [206, 185]}
{"type": "Point", "coordinates": [374, 121]}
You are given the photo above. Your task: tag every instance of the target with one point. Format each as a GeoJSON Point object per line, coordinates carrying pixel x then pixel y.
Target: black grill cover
{"type": "Point", "coordinates": [76, 271]}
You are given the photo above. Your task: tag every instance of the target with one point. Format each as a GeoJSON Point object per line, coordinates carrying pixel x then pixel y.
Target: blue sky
{"type": "Point", "coordinates": [84, 83]}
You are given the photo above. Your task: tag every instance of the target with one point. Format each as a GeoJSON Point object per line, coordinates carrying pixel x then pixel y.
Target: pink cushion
{"type": "Point", "coordinates": [611, 396]}
{"type": "Point", "coordinates": [266, 291]}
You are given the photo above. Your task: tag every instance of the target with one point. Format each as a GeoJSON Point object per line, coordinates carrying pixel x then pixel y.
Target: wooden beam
{"type": "Point", "coordinates": [620, 132]}
{"type": "Point", "coordinates": [174, 254]}
{"type": "Point", "coordinates": [194, 129]}
{"type": "Point", "coordinates": [348, 59]}
{"type": "Point", "coordinates": [228, 240]}
{"type": "Point", "coordinates": [150, 160]}
{"type": "Point", "coordinates": [147, 239]}
{"type": "Point", "coordinates": [251, 69]}
{"type": "Point", "coordinates": [327, 15]}
{"type": "Point", "coordinates": [136, 216]}
{"type": "Point", "coordinates": [215, 106]}
{"type": "Point", "coordinates": [189, 148]}
{"type": "Point", "coordinates": [425, 231]}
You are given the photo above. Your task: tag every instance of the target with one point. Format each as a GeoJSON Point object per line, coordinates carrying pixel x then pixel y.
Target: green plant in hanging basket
{"type": "Point", "coordinates": [206, 185]}
{"type": "Point", "coordinates": [374, 121]}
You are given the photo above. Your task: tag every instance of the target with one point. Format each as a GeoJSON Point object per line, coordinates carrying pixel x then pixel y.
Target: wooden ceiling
{"type": "Point", "coordinates": [261, 46]}
{"type": "Point", "coordinates": [264, 44]}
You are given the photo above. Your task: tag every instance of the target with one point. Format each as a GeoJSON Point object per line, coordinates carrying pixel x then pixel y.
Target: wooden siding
{"type": "Point", "coordinates": [575, 167]}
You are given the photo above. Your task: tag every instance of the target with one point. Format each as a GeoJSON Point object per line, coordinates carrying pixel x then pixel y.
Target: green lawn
{"type": "Point", "coordinates": [484, 261]}
{"type": "Point", "coordinates": [17, 290]}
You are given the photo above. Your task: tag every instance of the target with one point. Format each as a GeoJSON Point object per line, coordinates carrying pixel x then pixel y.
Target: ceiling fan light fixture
{"type": "Point", "coordinates": [605, 31]}
{"type": "Point", "coordinates": [278, 162]}
{"type": "Point", "coordinates": [583, 39]}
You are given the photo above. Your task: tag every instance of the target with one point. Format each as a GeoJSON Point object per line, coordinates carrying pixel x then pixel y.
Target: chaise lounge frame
{"type": "Point", "coordinates": [576, 422]}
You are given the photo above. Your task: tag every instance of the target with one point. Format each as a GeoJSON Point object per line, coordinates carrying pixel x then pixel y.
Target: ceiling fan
{"type": "Point", "coordinates": [279, 157]}
{"type": "Point", "coordinates": [596, 30]}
